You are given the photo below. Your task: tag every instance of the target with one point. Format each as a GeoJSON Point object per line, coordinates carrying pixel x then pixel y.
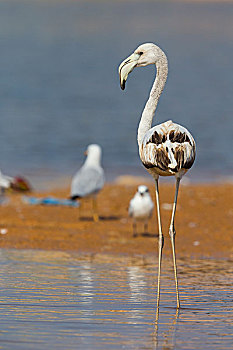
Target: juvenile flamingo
{"type": "Point", "coordinates": [166, 149]}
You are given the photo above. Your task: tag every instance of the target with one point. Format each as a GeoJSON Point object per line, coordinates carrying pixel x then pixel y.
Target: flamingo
{"type": "Point", "coordinates": [167, 149]}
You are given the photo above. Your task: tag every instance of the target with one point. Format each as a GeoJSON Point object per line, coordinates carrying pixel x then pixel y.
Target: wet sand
{"type": "Point", "coordinates": [203, 223]}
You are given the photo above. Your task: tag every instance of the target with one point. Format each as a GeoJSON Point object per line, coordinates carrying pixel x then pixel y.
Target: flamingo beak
{"type": "Point", "coordinates": [126, 68]}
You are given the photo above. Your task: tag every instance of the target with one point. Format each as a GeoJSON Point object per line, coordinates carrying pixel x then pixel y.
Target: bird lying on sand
{"type": "Point", "coordinates": [16, 183]}
{"type": "Point", "coordinates": [5, 184]}
{"type": "Point", "coordinates": [141, 208]}
{"type": "Point", "coordinates": [89, 179]}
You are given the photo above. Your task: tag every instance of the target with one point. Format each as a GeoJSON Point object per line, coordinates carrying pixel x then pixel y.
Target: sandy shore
{"type": "Point", "coordinates": [203, 223]}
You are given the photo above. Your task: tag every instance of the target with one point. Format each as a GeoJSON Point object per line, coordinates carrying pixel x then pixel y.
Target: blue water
{"type": "Point", "coordinates": [53, 300]}
{"type": "Point", "coordinates": [59, 88]}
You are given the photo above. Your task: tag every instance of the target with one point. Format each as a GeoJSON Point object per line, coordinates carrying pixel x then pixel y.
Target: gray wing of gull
{"type": "Point", "coordinates": [87, 181]}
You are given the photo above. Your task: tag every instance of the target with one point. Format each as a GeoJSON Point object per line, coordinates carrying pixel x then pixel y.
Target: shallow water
{"type": "Point", "coordinates": [52, 300]}
{"type": "Point", "coordinates": [59, 86]}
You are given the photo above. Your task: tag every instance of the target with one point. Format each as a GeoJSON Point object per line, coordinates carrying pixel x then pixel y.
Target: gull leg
{"type": "Point", "coordinates": [146, 227]}
{"type": "Point", "coordinates": [79, 210]}
{"type": "Point", "coordinates": [134, 228]}
{"type": "Point", "coordinates": [161, 239]}
{"type": "Point", "coordinates": [95, 210]}
{"type": "Point", "coordinates": [172, 234]}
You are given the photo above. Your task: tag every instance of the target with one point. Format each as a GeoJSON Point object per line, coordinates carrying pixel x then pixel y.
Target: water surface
{"type": "Point", "coordinates": [52, 300]}
{"type": "Point", "coordinates": [59, 88]}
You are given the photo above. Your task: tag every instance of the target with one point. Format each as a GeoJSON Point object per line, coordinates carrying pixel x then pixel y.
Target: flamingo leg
{"type": "Point", "coordinates": [161, 239]}
{"type": "Point", "coordinates": [172, 234]}
{"type": "Point", "coordinates": [95, 209]}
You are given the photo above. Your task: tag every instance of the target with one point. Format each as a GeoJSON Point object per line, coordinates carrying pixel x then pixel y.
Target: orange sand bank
{"type": "Point", "coordinates": [203, 223]}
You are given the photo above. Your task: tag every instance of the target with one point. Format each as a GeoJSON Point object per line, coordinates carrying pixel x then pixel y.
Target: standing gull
{"type": "Point", "coordinates": [166, 149]}
{"type": "Point", "coordinates": [140, 208]}
{"type": "Point", "coordinates": [89, 180]}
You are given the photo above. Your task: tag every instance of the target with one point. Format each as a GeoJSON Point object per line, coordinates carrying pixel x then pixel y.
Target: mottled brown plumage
{"type": "Point", "coordinates": [168, 149]}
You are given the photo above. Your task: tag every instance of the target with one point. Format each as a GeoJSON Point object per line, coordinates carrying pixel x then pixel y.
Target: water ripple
{"type": "Point", "coordinates": [56, 301]}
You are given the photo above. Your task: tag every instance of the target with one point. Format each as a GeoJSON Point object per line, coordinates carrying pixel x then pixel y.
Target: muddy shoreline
{"type": "Point", "coordinates": [203, 223]}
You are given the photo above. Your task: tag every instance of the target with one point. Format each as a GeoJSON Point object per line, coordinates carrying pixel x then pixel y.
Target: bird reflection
{"type": "Point", "coordinates": [168, 337]}
{"type": "Point", "coordinates": [85, 283]}
{"type": "Point", "coordinates": [137, 284]}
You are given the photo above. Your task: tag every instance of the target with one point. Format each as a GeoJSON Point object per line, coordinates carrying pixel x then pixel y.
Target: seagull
{"type": "Point", "coordinates": [89, 179]}
{"type": "Point", "coordinates": [141, 207]}
{"type": "Point", "coordinates": [5, 183]}
{"type": "Point", "coordinates": [167, 149]}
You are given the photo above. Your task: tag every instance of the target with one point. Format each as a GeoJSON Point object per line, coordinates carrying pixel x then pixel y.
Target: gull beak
{"type": "Point", "coordinates": [126, 68]}
{"type": "Point", "coordinates": [85, 153]}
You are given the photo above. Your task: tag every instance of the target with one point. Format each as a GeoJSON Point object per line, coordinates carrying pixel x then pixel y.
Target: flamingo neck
{"type": "Point", "coordinates": [156, 90]}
